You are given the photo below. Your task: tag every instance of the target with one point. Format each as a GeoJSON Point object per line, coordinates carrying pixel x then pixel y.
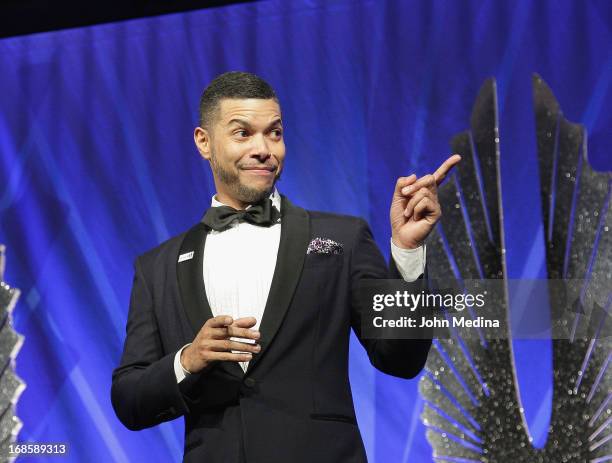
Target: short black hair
{"type": "Point", "coordinates": [232, 85]}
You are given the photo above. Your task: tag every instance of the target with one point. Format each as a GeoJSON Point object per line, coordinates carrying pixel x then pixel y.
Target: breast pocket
{"type": "Point", "coordinates": [321, 276]}
{"type": "Point", "coordinates": [315, 260]}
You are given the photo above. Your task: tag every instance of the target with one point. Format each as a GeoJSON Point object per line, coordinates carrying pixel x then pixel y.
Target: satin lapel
{"type": "Point", "coordinates": [191, 284]}
{"type": "Point", "coordinates": [191, 280]}
{"type": "Point", "coordinates": [294, 239]}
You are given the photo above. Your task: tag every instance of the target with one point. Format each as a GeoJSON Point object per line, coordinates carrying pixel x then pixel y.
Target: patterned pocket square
{"type": "Point", "coordinates": [324, 246]}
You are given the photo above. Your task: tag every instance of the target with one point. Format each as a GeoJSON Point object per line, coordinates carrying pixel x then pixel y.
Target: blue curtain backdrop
{"type": "Point", "coordinates": [97, 165]}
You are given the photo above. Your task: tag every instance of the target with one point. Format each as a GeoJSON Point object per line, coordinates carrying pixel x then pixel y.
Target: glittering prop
{"type": "Point", "coordinates": [472, 409]}
{"type": "Point", "coordinates": [11, 386]}
{"type": "Point", "coordinates": [324, 246]}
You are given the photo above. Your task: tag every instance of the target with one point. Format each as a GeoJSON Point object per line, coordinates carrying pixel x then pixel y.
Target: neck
{"type": "Point", "coordinates": [230, 201]}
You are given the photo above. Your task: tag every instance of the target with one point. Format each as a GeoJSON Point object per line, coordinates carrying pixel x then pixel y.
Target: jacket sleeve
{"type": "Point", "coordinates": [404, 358]}
{"type": "Point", "coordinates": [144, 389]}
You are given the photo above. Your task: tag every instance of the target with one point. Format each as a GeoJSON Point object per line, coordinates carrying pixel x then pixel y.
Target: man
{"type": "Point", "coordinates": [242, 324]}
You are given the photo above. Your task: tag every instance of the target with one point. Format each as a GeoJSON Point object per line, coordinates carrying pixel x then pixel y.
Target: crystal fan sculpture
{"type": "Point", "coordinates": [472, 407]}
{"type": "Point", "coordinates": [11, 386]}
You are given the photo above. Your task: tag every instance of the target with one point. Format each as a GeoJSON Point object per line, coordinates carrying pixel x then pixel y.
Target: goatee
{"type": "Point", "coordinates": [242, 192]}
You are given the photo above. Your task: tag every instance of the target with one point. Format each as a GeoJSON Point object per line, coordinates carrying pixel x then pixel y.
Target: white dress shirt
{"type": "Point", "coordinates": [239, 264]}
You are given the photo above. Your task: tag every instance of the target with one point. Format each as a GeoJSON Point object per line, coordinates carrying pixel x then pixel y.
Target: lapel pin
{"type": "Point", "coordinates": [186, 256]}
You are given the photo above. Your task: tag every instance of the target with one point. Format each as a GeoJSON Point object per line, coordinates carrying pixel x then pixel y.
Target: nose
{"type": "Point", "coordinates": [261, 149]}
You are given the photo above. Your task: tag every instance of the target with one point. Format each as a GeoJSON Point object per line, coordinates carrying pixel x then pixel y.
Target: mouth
{"type": "Point", "coordinates": [260, 170]}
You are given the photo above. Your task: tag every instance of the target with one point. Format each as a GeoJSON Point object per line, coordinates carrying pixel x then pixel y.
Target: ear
{"type": "Point", "coordinates": [202, 140]}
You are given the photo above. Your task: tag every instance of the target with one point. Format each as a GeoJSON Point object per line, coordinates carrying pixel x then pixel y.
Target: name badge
{"type": "Point", "coordinates": [186, 256]}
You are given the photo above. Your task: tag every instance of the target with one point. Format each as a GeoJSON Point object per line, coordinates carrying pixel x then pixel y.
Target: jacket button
{"type": "Point", "coordinates": [249, 382]}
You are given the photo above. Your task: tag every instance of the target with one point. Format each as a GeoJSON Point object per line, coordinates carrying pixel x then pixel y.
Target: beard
{"type": "Point", "coordinates": [239, 190]}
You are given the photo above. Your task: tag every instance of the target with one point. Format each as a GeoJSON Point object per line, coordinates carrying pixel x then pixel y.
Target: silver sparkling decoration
{"type": "Point", "coordinates": [472, 409]}
{"type": "Point", "coordinates": [324, 246]}
{"type": "Point", "coordinates": [11, 386]}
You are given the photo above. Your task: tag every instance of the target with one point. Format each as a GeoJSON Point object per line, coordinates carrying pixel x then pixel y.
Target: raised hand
{"type": "Point", "coordinates": [415, 208]}
{"type": "Point", "coordinates": [213, 343]}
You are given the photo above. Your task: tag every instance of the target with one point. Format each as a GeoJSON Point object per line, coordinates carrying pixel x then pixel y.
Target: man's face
{"type": "Point", "coordinates": [245, 149]}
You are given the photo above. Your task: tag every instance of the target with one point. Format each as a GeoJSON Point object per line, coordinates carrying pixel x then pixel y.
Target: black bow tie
{"type": "Point", "coordinates": [262, 214]}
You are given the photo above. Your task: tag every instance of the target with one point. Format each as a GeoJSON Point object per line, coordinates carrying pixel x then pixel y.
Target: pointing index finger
{"type": "Point", "coordinates": [446, 166]}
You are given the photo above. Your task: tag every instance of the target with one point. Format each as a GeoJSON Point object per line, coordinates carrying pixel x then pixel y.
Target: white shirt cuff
{"type": "Point", "coordinates": [409, 262]}
{"type": "Point", "coordinates": [179, 371]}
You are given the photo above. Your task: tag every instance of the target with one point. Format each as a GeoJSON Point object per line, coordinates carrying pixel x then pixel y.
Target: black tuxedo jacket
{"type": "Point", "coordinates": [294, 402]}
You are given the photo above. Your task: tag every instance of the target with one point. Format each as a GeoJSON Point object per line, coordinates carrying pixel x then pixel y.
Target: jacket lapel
{"type": "Point", "coordinates": [294, 239]}
{"type": "Point", "coordinates": [191, 280]}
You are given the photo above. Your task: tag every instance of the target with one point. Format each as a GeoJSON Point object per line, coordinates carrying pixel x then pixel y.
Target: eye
{"type": "Point", "coordinates": [277, 133]}
{"type": "Point", "coordinates": [242, 133]}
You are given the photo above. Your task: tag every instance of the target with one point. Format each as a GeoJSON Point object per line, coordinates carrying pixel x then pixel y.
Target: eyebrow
{"type": "Point", "coordinates": [246, 124]}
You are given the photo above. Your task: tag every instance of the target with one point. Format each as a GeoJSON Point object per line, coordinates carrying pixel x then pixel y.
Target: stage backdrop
{"type": "Point", "coordinates": [97, 165]}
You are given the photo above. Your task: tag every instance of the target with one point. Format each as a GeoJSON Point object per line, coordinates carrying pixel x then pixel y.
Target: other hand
{"type": "Point", "coordinates": [213, 343]}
